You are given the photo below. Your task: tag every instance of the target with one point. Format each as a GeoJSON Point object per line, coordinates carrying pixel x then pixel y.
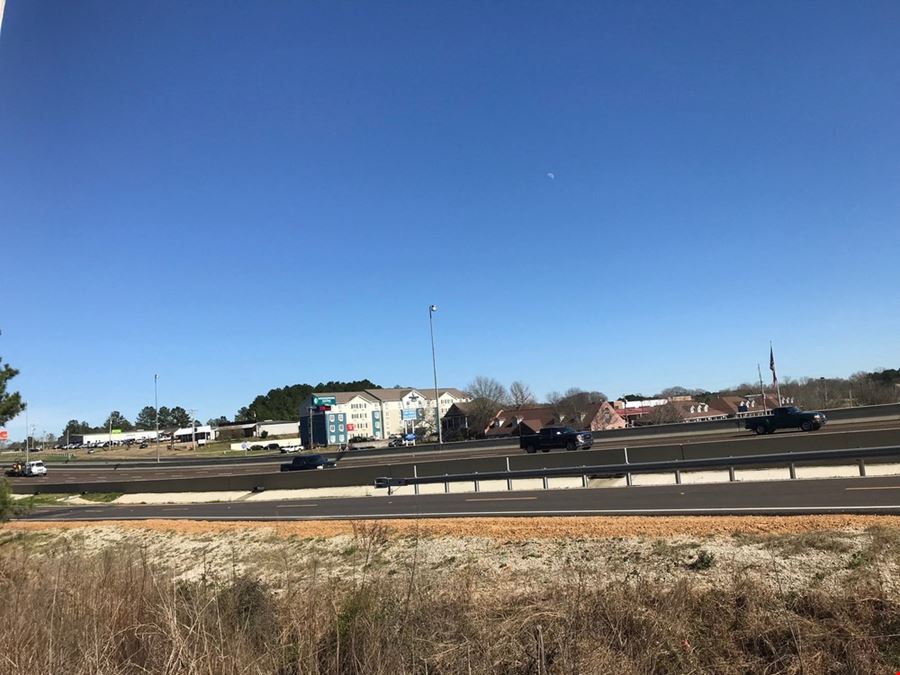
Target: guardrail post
{"type": "Point", "coordinates": [793, 469]}
{"type": "Point", "coordinates": [477, 485]}
{"type": "Point", "coordinates": [415, 475]}
{"type": "Point", "coordinates": [862, 467]}
{"type": "Point", "coordinates": [546, 483]}
{"type": "Point", "coordinates": [677, 476]}
{"type": "Point", "coordinates": [584, 480]}
{"type": "Point", "coordinates": [627, 473]}
{"type": "Point", "coordinates": [731, 477]}
{"type": "Point", "coordinates": [508, 480]}
{"type": "Point", "coordinates": [446, 486]}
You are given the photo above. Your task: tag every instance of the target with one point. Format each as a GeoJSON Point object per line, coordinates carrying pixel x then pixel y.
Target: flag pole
{"type": "Point", "coordinates": [774, 375]}
{"type": "Point", "coordinates": [762, 390]}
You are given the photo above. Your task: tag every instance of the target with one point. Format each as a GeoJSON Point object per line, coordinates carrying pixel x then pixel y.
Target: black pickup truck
{"type": "Point", "coordinates": [303, 462]}
{"type": "Point", "coordinates": [790, 417]}
{"type": "Point", "coordinates": [556, 437]}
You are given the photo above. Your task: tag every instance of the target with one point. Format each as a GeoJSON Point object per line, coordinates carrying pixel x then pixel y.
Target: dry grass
{"type": "Point", "coordinates": [521, 529]}
{"type": "Point", "coordinates": [116, 610]}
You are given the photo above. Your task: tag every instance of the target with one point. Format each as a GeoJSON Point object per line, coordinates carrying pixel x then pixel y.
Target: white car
{"type": "Point", "coordinates": [35, 468]}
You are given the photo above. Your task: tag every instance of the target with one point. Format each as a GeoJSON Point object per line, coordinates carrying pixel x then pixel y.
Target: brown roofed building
{"type": "Point", "coordinates": [516, 421]}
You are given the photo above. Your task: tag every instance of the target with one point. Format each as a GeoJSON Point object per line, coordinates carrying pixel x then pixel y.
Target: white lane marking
{"type": "Point", "coordinates": [562, 512]}
{"type": "Point", "coordinates": [874, 487]}
{"type": "Point", "coordinates": [174, 508]}
{"type": "Point", "coordinates": [294, 506]}
{"type": "Point", "coordinates": [501, 499]}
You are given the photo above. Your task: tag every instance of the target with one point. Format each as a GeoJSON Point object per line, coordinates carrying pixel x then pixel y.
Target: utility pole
{"type": "Point", "coordinates": [193, 430]}
{"type": "Point", "coordinates": [26, 432]}
{"type": "Point", "coordinates": [437, 400]}
{"type": "Point", "coordinates": [156, 416]}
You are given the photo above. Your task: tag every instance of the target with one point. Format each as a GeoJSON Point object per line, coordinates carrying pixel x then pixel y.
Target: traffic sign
{"type": "Point", "coordinates": [4, 435]}
{"type": "Point", "coordinates": [324, 400]}
{"type": "Point", "coordinates": [351, 427]}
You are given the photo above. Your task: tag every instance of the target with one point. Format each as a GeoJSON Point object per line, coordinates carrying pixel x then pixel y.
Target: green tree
{"type": "Point", "coordinates": [284, 403]}
{"type": "Point", "coordinates": [165, 418]}
{"type": "Point", "coordinates": [11, 403]}
{"type": "Point", "coordinates": [74, 427]}
{"type": "Point", "coordinates": [8, 506]}
{"type": "Point", "coordinates": [116, 420]}
{"type": "Point", "coordinates": [179, 417]}
{"type": "Point", "coordinates": [146, 418]}
{"type": "Point", "coordinates": [217, 421]}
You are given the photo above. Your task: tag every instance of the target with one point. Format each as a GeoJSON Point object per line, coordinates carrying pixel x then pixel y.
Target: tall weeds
{"type": "Point", "coordinates": [115, 612]}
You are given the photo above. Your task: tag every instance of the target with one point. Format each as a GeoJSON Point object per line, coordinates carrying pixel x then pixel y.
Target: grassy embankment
{"type": "Point", "coordinates": [373, 601]}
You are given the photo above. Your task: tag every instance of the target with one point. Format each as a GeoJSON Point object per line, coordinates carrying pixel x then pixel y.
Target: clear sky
{"type": "Point", "coordinates": [615, 196]}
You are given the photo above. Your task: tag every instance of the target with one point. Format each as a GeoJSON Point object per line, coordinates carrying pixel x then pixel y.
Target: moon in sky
{"type": "Point", "coordinates": [551, 175]}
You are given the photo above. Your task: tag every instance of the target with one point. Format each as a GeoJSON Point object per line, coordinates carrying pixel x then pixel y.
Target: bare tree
{"type": "Point", "coordinates": [520, 394]}
{"type": "Point", "coordinates": [664, 414]}
{"type": "Point", "coordinates": [488, 397]}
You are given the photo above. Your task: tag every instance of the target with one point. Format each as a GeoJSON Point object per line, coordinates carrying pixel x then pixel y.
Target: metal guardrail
{"type": "Point", "coordinates": [669, 466]}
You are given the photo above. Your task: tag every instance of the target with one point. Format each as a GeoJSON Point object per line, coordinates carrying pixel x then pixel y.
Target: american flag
{"type": "Point", "coordinates": [772, 366]}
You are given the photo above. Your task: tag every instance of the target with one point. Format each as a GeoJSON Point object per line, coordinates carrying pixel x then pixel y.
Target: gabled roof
{"type": "Point", "coordinates": [388, 395]}
{"type": "Point", "coordinates": [700, 410]}
{"type": "Point", "coordinates": [341, 397]}
{"type": "Point", "coordinates": [462, 407]}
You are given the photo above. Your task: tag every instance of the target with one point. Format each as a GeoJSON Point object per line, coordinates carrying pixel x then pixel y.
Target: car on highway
{"type": "Point", "coordinates": [304, 462]}
{"type": "Point", "coordinates": [787, 417]}
{"type": "Point", "coordinates": [34, 467]}
{"type": "Point", "coordinates": [556, 437]}
{"type": "Point", "coordinates": [285, 449]}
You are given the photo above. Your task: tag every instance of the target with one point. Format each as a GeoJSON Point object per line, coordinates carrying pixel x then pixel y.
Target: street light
{"type": "Point", "coordinates": [437, 401]}
{"type": "Point", "coordinates": [156, 416]}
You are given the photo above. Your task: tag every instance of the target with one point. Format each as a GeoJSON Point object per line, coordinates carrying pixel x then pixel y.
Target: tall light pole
{"type": "Point", "coordinates": [156, 416]}
{"type": "Point", "coordinates": [437, 400]}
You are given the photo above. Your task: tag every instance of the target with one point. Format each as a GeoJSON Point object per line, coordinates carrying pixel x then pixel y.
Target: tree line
{"type": "Point", "coordinates": [145, 420]}
{"type": "Point", "coordinates": [284, 403]}
{"type": "Point", "coordinates": [862, 388]}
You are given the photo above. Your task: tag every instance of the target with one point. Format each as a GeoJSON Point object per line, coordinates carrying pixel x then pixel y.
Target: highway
{"type": "Point", "coordinates": [836, 495]}
{"type": "Point", "coordinates": [73, 473]}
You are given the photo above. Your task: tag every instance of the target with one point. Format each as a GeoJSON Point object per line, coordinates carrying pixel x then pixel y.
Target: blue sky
{"type": "Point", "coordinates": [240, 196]}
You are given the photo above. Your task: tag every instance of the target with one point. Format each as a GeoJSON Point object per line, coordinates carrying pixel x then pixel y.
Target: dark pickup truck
{"type": "Point", "coordinates": [303, 462]}
{"type": "Point", "coordinates": [556, 437]}
{"type": "Point", "coordinates": [790, 417]}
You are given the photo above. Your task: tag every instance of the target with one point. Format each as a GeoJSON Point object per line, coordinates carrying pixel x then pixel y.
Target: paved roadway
{"type": "Point", "coordinates": [850, 495]}
{"type": "Point", "coordinates": [122, 472]}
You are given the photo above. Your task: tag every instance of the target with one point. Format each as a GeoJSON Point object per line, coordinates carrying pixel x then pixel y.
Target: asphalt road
{"type": "Point", "coordinates": [122, 472]}
{"type": "Point", "coordinates": [851, 495]}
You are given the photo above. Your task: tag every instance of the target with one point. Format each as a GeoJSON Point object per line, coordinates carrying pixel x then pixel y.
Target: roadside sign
{"type": "Point", "coordinates": [4, 435]}
{"type": "Point", "coordinates": [117, 431]}
{"type": "Point", "coordinates": [409, 414]}
{"type": "Point", "coordinates": [410, 437]}
{"type": "Point", "coordinates": [351, 427]}
{"type": "Point", "coordinates": [324, 400]}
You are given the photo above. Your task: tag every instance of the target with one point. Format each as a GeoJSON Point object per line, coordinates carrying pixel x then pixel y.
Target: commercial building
{"type": "Point", "coordinates": [373, 413]}
{"type": "Point", "coordinates": [354, 413]}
